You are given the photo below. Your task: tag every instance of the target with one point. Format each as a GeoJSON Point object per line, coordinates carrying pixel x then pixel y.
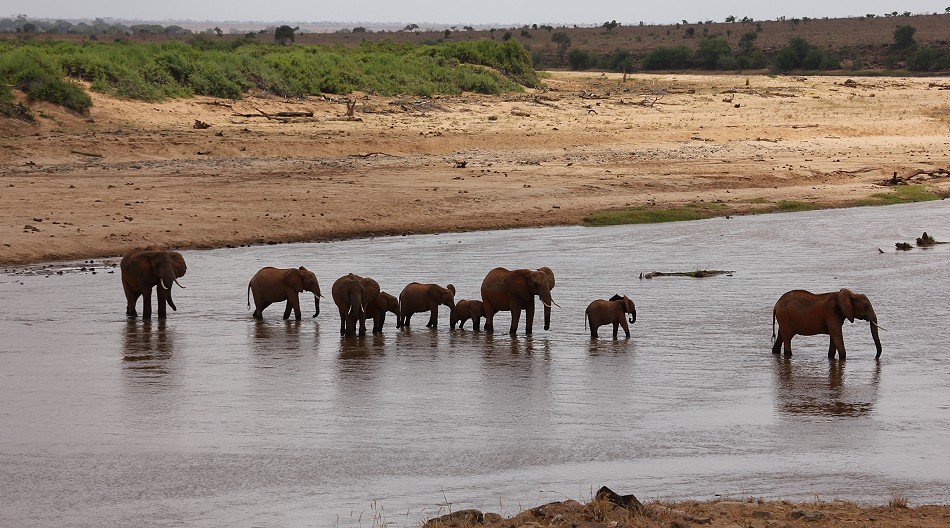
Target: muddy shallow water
{"type": "Point", "coordinates": [211, 418]}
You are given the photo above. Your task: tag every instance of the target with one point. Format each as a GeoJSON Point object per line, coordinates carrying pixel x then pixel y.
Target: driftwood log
{"type": "Point", "coordinates": [698, 274]}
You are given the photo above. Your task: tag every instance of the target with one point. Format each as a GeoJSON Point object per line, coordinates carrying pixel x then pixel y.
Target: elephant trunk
{"type": "Point", "coordinates": [877, 339]}
{"type": "Point", "coordinates": [633, 316]}
{"type": "Point", "coordinates": [166, 280]}
{"type": "Point", "coordinates": [316, 305]}
{"type": "Point", "coordinates": [546, 300]}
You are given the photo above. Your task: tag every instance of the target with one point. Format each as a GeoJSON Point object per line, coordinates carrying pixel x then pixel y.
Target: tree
{"type": "Point", "coordinates": [563, 42]}
{"type": "Point", "coordinates": [904, 37]}
{"type": "Point", "coordinates": [283, 34]}
{"type": "Point", "coordinates": [711, 50]}
{"type": "Point", "coordinates": [746, 40]}
{"type": "Point", "coordinates": [731, 19]}
{"type": "Point", "coordinates": [610, 26]}
{"type": "Point", "coordinates": [411, 27]}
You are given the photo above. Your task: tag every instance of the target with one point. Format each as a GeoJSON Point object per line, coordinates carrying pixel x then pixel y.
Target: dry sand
{"type": "Point", "coordinates": [136, 173]}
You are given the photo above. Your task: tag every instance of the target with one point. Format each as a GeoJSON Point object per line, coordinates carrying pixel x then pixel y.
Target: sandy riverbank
{"type": "Point", "coordinates": [133, 173]}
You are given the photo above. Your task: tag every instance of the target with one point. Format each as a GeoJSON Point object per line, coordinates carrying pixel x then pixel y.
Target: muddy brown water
{"type": "Point", "coordinates": [213, 419]}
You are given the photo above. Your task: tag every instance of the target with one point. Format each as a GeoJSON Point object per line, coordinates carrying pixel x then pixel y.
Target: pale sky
{"type": "Point", "coordinates": [501, 12]}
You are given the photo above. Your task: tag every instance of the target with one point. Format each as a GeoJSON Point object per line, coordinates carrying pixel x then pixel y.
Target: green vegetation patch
{"type": "Point", "coordinates": [649, 215]}
{"type": "Point", "coordinates": [900, 194]}
{"type": "Point", "coordinates": [790, 206]}
{"type": "Point", "coordinates": [46, 70]}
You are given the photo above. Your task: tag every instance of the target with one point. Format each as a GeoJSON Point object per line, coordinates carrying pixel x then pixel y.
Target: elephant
{"type": "Point", "coordinates": [384, 303]}
{"type": "Point", "coordinates": [416, 297]}
{"type": "Point", "coordinates": [144, 268]}
{"type": "Point", "coordinates": [612, 311]}
{"type": "Point", "coordinates": [354, 296]}
{"type": "Point", "coordinates": [270, 285]}
{"type": "Point", "coordinates": [514, 290]}
{"type": "Point", "coordinates": [800, 312]}
{"type": "Point", "coordinates": [465, 310]}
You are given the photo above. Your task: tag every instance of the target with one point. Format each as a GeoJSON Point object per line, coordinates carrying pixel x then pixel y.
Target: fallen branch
{"type": "Point", "coordinates": [90, 154]}
{"type": "Point", "coordinates": [698, 274]}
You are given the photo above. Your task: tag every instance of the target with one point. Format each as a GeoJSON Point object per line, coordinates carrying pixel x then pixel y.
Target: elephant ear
{"type": "Point", "coordinates": [844, 303]}
{"type": "Point", "coordinates": [178, 263]}
{"type": "Point", "coordinates": [451, 288]}
{"type": "Point", "coordinates": [293, 280]}
{"type": "Point", "coordinates": [628, 304]}
{"type": "Point", "coordinates": [550, 274]}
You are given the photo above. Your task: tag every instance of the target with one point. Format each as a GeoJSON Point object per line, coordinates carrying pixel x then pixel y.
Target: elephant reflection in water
{"type": "Point", "coordinates": [801, 389]}
{"type": "Point", "coordinates": [147, 346]}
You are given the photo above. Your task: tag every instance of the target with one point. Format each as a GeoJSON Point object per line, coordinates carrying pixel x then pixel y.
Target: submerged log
{"type": "Point", "coordinates": [698, 274]}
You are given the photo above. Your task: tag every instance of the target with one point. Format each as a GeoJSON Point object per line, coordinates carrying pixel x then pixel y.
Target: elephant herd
{"type": "Point", "coordinates": [359, 299]}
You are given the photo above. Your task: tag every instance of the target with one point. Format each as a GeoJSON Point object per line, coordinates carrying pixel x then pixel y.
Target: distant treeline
{"type": "Point", "coordinates": [714, 53]}
{"type": "Point", "coordinates": [47, 70]}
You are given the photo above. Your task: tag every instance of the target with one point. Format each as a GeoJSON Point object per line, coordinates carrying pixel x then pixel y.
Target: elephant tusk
{"type": "Point", "coordinates": [879, 326]}
{"type": "Point", "coordinates": [162, 281]}
{"type": "Point", "coordinates": [349, 311]}
{"type": "Point", "coordinates": [178, 283]}
{"type": "Point", "coordinates": [552, 302]}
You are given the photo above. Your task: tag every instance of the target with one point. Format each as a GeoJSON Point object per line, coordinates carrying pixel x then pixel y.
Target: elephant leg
{"type": "Point", "coordinates": [476, 323]}
{"type": "Point", "coordinates": [405, 320]}
{"type": "Point", "coordinates": [378, 322]}
{"type": "Point", "coordinates": [363, 325]}
{"type": "Point", "coordinates": [433, 318]}
{"type": "Point", "coordinates": [259, 310]}
{"type": "Point", "coordinates": [593, 330]}
{"type": "Point", "coordinates": [787, 345]}
{"type": "Point", "coordinates": [529, 318]}
{"type": "Point", "coordinates": [342, 322]}
{"type": "Point", "coordinates": [625, 326]}
{"type": "Point", "coordinates": [616, 329]}
{"type": "Point", "coordinates": [293, 301]}
{"type": "Point", "coordinates": [130, 298]}
{"type": "Point", "coordinates": [147, 303]}
{"type": "Point", "coordinates": [831, 348]}
{"type": "Point", "coordinates": [287, 310]}
{"type": "Point", "coordinates": [515, 319]}
{"type": "Point", "coordinates": [162, 295]}
{"type": "Point", "coordinates": [489, 318]}
{"type": "Point", "coordinates": [777, 345]}
{"type": "Point", "coordinates": [837, 340]}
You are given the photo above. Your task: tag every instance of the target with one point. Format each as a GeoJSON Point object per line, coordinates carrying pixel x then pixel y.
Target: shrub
{"type": "Point", "coordinates": [711, 50]}
{"type": "Point", "coordinates": [904, 37]}
{"type": "Point", "coordinates": [665, 58]}
{"type": "Point", "coordinates": [800, 54]}
{"type": "Point", "coordinates": [578, 59]}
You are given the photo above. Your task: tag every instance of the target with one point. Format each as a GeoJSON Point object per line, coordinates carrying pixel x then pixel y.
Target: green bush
{"type": "Point", "coordinates": [229, 69]}
{"type": "Point", "coordinates": [800, 54]}
{"type": "Point", "coordinates": [664, 58]}
{"type": "Point", "coordinates": [578, 59]}
{"type": "Point", "coordinates": [711, 50]}
{"type": "Point", "coordinates": [928, 59]}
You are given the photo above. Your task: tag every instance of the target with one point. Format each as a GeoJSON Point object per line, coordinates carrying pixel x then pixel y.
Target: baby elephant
{"type": "Point", "coordinates": [465, 310]}
{"type": "Point", "coordinates": [270, 285]}
{"type": "Point", "coordinates": [613, 311]}
{"type": "Point", "coordinates": [384, 303]}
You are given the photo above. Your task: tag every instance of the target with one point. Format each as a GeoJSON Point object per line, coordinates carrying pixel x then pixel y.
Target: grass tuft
{"type": "Point", "coordinates": [898, 502]}
{"type": "Point", "coordinates": [900, 194]}
{"type": "Point", "coordinates": [647, 215]}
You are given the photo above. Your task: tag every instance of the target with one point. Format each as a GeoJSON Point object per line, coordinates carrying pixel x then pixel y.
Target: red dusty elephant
{"type": "Point", "coordinates": [416, 297]}
{"type": "Point", "coordinates": [144, 268]}
{"type": "Point", "coordinates": [355, 297]}
{"type": "Point", "coordinates": [270, 285]}
{"type": "Point", "coordinates": [465, 310]}
{"type": "Point", "coordinates": [801, 312]}
{"type": "Point", "coordinates": [515, 290]}
{"type": "Point", "coordinates": [377, 311]}
{"type": "Point", "coordinates": [613, 311]}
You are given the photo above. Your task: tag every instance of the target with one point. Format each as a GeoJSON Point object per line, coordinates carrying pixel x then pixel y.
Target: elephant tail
{"type": "Point", "coordinates": [773, 323]}
{"type": "Point", "coordinates": [586, 315]}
{"type": "Point", "coordinates": [249, 296]}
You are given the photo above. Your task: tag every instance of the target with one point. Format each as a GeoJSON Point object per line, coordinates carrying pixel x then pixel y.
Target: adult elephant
{"type": "Point", "coordinates": [801, 312]}
{"type": "Point", "coordinates": [465, 310]}
{"type": "Point", "coordinates": [377, 310]}
{"type": "Point", "coordinates": [354, 296]}
{"type": "Point", "coordinates": [144, 268]}
{"type": "Point", "coordinates": [270, 285]}
{"type": "Point", "coordinates": [514, 290]}
{"type": "Point", "coordinates": [416, 297]}
{"type": "Point", "coordinates": [613, 311]}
